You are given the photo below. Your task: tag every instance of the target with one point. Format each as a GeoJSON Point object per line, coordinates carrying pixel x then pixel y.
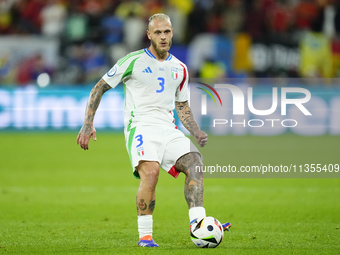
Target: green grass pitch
{"type": "Point", "coordinates": [58, 199]}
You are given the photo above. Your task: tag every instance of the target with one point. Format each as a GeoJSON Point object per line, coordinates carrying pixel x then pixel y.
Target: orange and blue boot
{"type": "Point", "coordinates": [147, 241]}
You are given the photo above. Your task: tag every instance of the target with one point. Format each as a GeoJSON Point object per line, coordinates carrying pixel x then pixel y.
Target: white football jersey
{"type": "Point", "coordinates": [151, 87]}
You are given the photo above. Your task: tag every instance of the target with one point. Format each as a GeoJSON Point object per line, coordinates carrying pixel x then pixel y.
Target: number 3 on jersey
{"type": "Point", "coordinates": [161, 83]}
{"type": "Point", "coordinates": [139, 139]}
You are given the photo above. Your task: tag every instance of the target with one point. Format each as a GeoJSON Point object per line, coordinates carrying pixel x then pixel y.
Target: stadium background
{"type": "Point", "coordinates": [55, 198]}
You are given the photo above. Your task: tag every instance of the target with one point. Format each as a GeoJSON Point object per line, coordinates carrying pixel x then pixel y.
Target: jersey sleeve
{"type": "Point", "coordinates": [182, 93]}
{"type": "Point", "coordinates": [119, 72]}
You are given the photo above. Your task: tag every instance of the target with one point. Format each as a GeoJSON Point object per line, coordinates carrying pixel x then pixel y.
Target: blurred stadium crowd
{"type": "Point", "coordinates": [76, 42]}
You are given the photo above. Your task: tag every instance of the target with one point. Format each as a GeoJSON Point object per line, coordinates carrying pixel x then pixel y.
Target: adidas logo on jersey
{"type": "Point", "coordinates": [147, 70]}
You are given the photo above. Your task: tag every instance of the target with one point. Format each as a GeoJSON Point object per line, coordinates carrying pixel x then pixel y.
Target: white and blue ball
{"type": "Point", "coordinates": [207, 232]}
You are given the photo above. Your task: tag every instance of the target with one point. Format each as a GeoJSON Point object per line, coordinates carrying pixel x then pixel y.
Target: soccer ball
{"type": "Point", "coordinates": [207, 232]}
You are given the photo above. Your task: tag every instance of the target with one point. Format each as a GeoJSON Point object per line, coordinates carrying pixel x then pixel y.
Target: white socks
{"type": "Point", "coordinates": [196, 213]}
{"type": "Point", "coordinates": [145, 221]}
{"type": "Point", "coordinates": [145, 225]}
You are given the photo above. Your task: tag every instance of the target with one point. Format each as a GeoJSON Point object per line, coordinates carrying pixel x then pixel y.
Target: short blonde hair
{"type": "Point", "coordinates": [159, 16]}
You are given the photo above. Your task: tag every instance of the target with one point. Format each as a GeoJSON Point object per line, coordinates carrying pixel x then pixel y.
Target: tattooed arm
{"type": "Point", "coordinates": [187, 118]}
{"type": "Point", "coordinates": [88, 129]}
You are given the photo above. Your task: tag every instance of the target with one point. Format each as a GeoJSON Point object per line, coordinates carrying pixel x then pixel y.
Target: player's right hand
{"type": "Point", "coordinates": [84, 136]}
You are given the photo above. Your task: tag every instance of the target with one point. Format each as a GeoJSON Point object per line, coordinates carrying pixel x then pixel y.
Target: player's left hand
{"type": "Point", "coordinates": [201, 137]}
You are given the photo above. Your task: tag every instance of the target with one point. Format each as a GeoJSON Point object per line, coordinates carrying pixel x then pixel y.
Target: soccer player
{"type": "Point", "coordinates": [155, 82]}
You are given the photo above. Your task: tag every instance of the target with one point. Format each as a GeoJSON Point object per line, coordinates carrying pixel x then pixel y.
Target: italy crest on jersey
{"type": "Point", "coordinates": [174, 72]}
{"type": "Point", "coordinates": [140, 151]}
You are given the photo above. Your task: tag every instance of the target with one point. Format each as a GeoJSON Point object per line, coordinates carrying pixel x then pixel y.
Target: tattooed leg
{"type": "Point", "coordinates": [194, 186]}
{"type": "Point", "coordinates": [146, 194]}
